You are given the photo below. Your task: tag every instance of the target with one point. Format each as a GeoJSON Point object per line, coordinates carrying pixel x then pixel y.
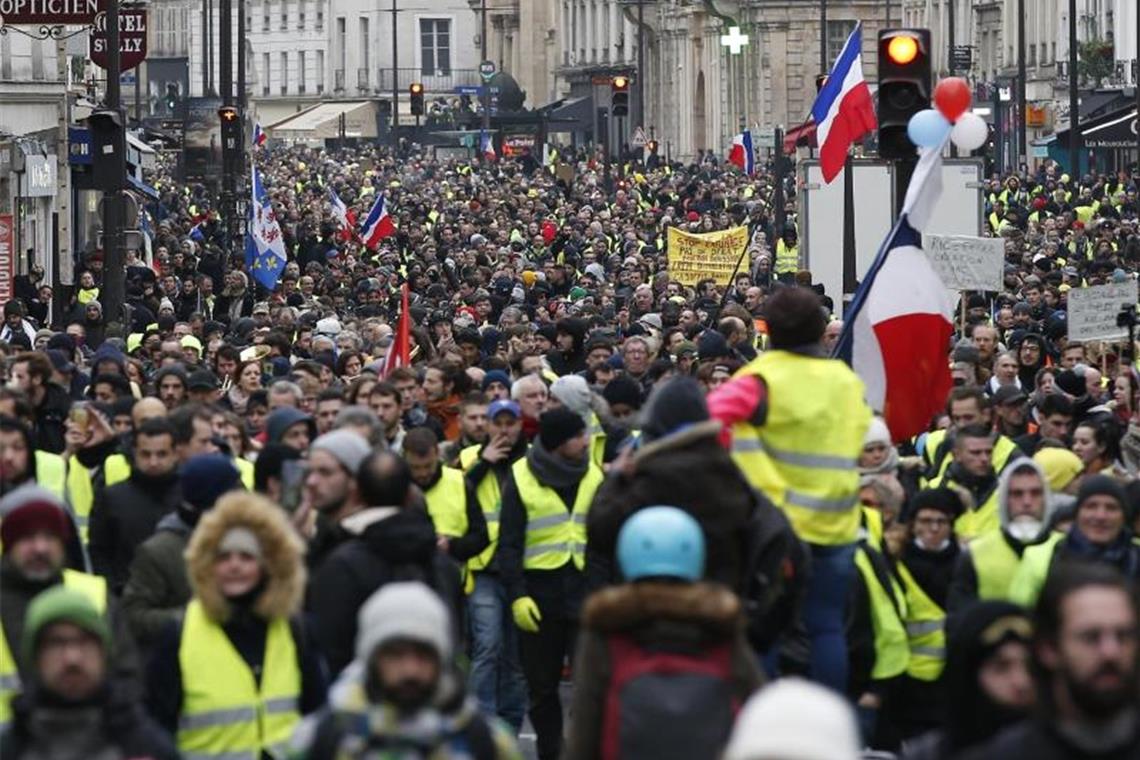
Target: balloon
{"type": "Point", "coordinates": [970, 132]}
{"type": "Point", "coordinates": [952, 97]}
{"type": "Point", "coordinates": [927, 129]}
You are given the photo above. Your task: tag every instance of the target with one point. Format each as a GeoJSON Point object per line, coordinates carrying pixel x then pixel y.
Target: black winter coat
{"type": "Point", "coordinates": [125, 515]}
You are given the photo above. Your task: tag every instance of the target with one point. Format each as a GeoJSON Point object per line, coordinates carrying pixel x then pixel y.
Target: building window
{"type": "Point", "coordinates": [301, 71]}
{"type": "Point", "coordinates": [364, 46]}
{"type": "Point", "coordinates": [837, 34]}
{"type": "Point", "coordinates": [265, 73]}
{"type": "Point", "coordinates": [320, 21]}
{"type": "Point", "coordinates": [341, 43]}
{"type": "Point", "coordinates": [284, 73]}
{"type": "Point", "coordinates": [265, 21]}
{"type": "Point", "coordinates": [284, 17]}
{"type": "Point", "coordinates": [435, 46]}
{"type": "Point", "coordinates": [320, 71]}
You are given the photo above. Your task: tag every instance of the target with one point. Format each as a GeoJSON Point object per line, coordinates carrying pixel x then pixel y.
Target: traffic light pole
{"type": "Point", "coordinates": [1074, 106]}
{"type": "Point", "coordinates": [225, 44]}
{"type": "Point", "coordinates": [485, 90]}
{"type": "Point", "coordinates": [1022, 153]}
{"type": "Point", "coordinates": [395, 85]}
{"type": "Point", "coordinates": [113, 290]}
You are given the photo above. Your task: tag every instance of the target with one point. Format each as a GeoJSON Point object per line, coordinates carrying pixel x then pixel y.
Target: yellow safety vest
{"type": "Point", "coordinates": [983, 519]}
{"type": "Point", "coordinates": [554, 536]}
{"type": "Point", "coordinates": [447, 503]}
{"type": "Point", "coordinates": [597, 440]}
{"type": "Point", "coordinates": [1004, 449]}
{"type": "Point", "coordinates": [490, 501]}
{"type": "Point", "coordinates": [805, 455]}
{"type": "Point", "coordinates": [995, 563]}
{"type": "Point", "coordinates": [1032, 571]}
{"type": "Point", "coordinates": [116, 469]}
{"type": "Point", "coordinates": [51, 473]}
{"type": "Point", "coordinates": [872, 523]}
{"type": "Point", "coordinates": [80, 494]}
{"type": "Point", "coordinates": [225, 713]}
{"type": "Point", "coordinates": [925, 630]}
{"type": "Point", "coordinates": [888, 605]}
{"type": "Point", "coordinates": [787, 257]}
{"type": "Point", "coordinates": [94, 587]}
{"type": "Point", "coordinates": [245, 470]}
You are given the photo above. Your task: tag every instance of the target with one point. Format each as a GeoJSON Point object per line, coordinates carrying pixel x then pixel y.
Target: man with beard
{"type": "Point", "coordinates": [402, 697]}
{"type": "Point", "coordinates": [72, 707]}
{"type": "Point", "coordinates": [331, 490]}
{"type": "Point", "coordinates": [1085, 653]}
{"type": "Point", "coordinates": [972, 469]}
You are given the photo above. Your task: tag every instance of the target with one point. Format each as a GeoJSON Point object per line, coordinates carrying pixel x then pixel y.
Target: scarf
{"type": "Point", "coordinates": [552, 470]}
{"type": "Point", "coordinates": [1119, 553]}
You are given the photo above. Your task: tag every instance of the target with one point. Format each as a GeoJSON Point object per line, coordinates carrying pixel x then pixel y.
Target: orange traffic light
{"type": "Point", "coordinates": [902, 49]}
{"type": "Point", "coordinates": [227, 113]}
{"type": "Point", "coordinates": [621, 83]}
{"type": "Point", "coordinates": [416, 88]}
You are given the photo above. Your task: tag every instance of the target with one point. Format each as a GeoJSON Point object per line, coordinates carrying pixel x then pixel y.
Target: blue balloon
{"type": "Point", "coordinates": [928, 128]}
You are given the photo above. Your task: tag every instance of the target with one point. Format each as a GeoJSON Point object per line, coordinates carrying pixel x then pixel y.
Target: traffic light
{"type": "Point", "coordinates": [416, 90]}
{"type": "Point", "coordinates": [231, 131]}
{"type": "Point", "coordinates": [904, 87]}
{"type": "Point", "coordinates": [651, 146]}
{"type": "Point", "coordinates": [171, 99]}
{"type": "Point", "coordinates": [108, 149]}
{"type": "Point", "coordinates": [619, 95]}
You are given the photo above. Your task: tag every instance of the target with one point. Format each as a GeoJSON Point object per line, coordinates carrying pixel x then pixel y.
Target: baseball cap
{"type": "Point", "coordinates": [1009, 394]}
{"type": "Point", "coordinates": [501, 406]}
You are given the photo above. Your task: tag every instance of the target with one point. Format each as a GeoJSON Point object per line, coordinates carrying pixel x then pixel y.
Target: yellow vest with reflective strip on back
{"type": "Point", "coordinates": [995, 563]}
{"type": "Point", "coordinates": [80, 493]}
{"type": "Point", "coordinates": [447, 503]}
{"type": "Point", "coordinates": [51, 473]}
{"type": "Point", "coordinates": [554, 536]}
{"type": "Point", "coordinates": [925, 630]}
{"type": "Point", "coordinates": [892, 652]}
{"type": "Point", "coordinates": [225, 713]}
{"type": "Point", "coordinates": [94, 587]}
{"type": "Point", "coordinates": [490, 501]}
{"type": "Point", "coordinates": [804, 457]}
{"type": "Point", "coordinates": [787, 257]}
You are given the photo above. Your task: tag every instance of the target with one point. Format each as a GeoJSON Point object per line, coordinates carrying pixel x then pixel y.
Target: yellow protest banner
{"type": "Point", "coordinates": [692, 258]}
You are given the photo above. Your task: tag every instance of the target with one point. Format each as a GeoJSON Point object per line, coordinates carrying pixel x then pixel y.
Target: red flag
{"type": "Point", "coordinates": [399, 353]}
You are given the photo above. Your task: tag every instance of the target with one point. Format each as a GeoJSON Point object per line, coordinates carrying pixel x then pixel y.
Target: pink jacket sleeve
{"type": "Point", "coordinates": [742, 399]}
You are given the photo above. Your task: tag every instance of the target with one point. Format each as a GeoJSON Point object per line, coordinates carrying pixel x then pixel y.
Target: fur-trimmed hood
{"type": "Point", "coordinates": [282, 555]}
{"type": "Point", "coordinates": [619, 608]}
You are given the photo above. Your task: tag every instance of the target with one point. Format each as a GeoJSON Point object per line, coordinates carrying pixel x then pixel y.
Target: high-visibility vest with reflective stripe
{"type": "Point", "coordinates": [490, 501]}
{"type": "Point", "coordinates": [447, 503]}
{"type": "Point", "coordinates": [597, 440]}
{"type": "Point", "coordinates": [245, 470]}
{"type": "Point", "coordinates": [225, 713]}
{"type": "Point", "coordinates": [1033, 570]}
{"type": "Point", "coordinates": [995, 563]}
{"type": "Point", "coordinates": [116, 469]}
{"type": "Point", "coordinates": [925, 630]}
{"type": "Point", "coordinates": [787, 257]}
{"type": "Point", "coordinates": [80, 493]}
{"type": "Point", "coordinates": [1004, 449]}
{"type": "Point", "coordinates": [94, 587]}
{"type": "Point", "coordinates": [888, 604]}
{"type": "Point", "coordinates": [554, 536]}
{"type": "Point", "coordinates": [804, 456]}
{"type": "Point", "coordinates": [51, 473]}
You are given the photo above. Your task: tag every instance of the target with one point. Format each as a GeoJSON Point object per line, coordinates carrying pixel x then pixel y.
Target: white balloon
{"type": "Point", "coordinates": [969, 132]}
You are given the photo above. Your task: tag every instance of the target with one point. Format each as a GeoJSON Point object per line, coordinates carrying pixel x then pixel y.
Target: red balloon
{"type": "Point", "coordinates": [952, 97]}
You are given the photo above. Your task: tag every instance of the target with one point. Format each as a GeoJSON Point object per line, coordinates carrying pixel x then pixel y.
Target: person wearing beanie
{"type": "Point", "coordinates": [392, 538]}
{"type": "Point", "coordinates": [330, 488]}
{"type": "Point", "coordinates": [403, 692]}
{"type": "Point", "coordinates": [624, 395]}
{"type": "Point", "coordinates": [573, 392]}
{"type": "Point", "coordinates": [158, 587]}
{"type": "Point", "coordinates": [796, 400]}
{"type": "Point", "coordinates": [1062, 469]}
{"type": "Point", "coordinates": [681, 710]}
{"type": "Point", "coordinates": [988, 684]}
{"type": "Point", "coordinates": [988, 564]}
{"type": "Point", "coordinates": [72, 706]}
{"type": "Point", "coordinates": [33, 535]}
{"type": "Point", "coordinates": [794, 719]}
{"type": "Point", "coordinates": [496, 385]}
{"type": "Point", "coordinates": [545, 338]}
{"type": "Point", "coordinates": [1101, 533]}
{"type": "Point", "coordinates": [879, 454]}
{"type": "Point", "coordinates": [925, 569]}
{"type": "Point", "coordinates": [240, 669]}
{"type": "Point", "coordinates": [542, 559]}
{"type": "Point", "coordinates": [125, 514]}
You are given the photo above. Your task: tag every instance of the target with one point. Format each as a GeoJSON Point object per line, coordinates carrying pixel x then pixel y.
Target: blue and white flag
{"type": "Point", "coordinates": [265, 248]}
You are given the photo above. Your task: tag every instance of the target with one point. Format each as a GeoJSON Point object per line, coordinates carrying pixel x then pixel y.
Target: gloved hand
{"type": "Point", "coordinates": [526, 614]}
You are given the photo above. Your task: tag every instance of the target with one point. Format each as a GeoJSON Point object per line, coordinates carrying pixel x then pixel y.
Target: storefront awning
{"type": "Point", "coordinates": [142, 187]}
{"type": "Point", "coordinates": [1120, 132]}
{"type": "Point", "coordinates": [571, 115]}
{"type": "Point", "coordinates": [322, 121]}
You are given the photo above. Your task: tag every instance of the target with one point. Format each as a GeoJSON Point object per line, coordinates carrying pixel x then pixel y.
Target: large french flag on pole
{"type": "Point", "coordinates": [843, 111]}
{"type": "Point", "coordinates": [742, 154]}
{"type": "Point", "coordinates": [898, 327]}
{"type": "Point", "coordinates": [378, 224]}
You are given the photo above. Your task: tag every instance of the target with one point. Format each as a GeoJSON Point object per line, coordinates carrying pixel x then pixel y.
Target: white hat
{"type": "Point", "coordinates": [408, 611]}
{"type": "Point", "coordinates": [329, 326]}
{"type": "Point", "coordinates": [794, 719]}
{"type": "Point", "coordinates": [877, 432]}
{"type": "Point", "coordinates": [573, 392]}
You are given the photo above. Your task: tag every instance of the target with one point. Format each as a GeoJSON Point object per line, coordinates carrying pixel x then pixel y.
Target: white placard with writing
{"type": "Point", "coordinates": [1093, 310]}
{"type": "Point", "coordinates": [967, 263]}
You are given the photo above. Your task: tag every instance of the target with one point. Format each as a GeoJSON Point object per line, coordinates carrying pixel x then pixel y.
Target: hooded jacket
{"type": "Point", "coordinates": [157, 587]}
{"type": "Point", "coordinates": [964, 583]}
{"type": "Point", "coordinates": [386, 544]}
{"type": "Point", "coordinates": [244, 621]}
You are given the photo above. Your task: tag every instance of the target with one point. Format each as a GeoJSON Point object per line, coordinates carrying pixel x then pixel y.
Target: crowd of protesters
{"type": "Point", "coordinates": [233, 525]}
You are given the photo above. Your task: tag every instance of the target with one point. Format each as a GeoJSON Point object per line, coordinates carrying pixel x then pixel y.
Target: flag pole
{"type": "Point", "coordinates": [732, 277]}
{"type": "Point", "coordinates": [848, 227]}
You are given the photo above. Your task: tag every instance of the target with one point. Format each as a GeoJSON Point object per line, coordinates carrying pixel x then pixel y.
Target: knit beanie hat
{"type": "Point", "coordinates": [404, 611]}
{"type": "Point", "coordinates": [877, 432]}
{"type": "Point", "coordinates": [1060, 467]}
{"type": "Point", "coordinates": [496, 376]}
{"type": "Point", "coordinates": [31, 509]}
{"type": "Point", "coordinates": [623, 390]}
{"type": "Point", "coordinates": [60, 604]}
{"type": "Point", "coordinates": [794, 719]}
{"type": "Point", "coordinates": [573, 392]}
{"type": "Point", "coordinates": [206, 477]}
{"type": "Point", "coordinates": [673, 405]}
{"type": "Point", "coordinates": [942, 499]}
{"type": "Point", "coordinates": [346, 446]}
{"type": "Point", "coordinates": [558, 426]}
{"type": "Point", "coordinates": [1101, 485]}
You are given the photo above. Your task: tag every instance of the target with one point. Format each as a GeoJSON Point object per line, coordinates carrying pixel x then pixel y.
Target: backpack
{"type": "Point", "coordinates": [667, 704]}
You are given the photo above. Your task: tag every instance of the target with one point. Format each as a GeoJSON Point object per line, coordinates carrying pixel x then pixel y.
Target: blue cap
{"type": "Point", "coordinates": [504, 405]}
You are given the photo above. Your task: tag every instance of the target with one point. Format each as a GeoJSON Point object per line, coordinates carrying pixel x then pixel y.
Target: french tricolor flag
{"type": "Point", "coordinates": [378, 225]}
{"type": "Point", "coordinates": [259, 136]}
{"type": "Point", "coordinates": [742, 154]}
{"type": "Point", "coordinates": [843, 111]}
{"type": "Point", "coordinates": [898, 327]}
{"type": "Point", "coordinates": [487, 146]}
